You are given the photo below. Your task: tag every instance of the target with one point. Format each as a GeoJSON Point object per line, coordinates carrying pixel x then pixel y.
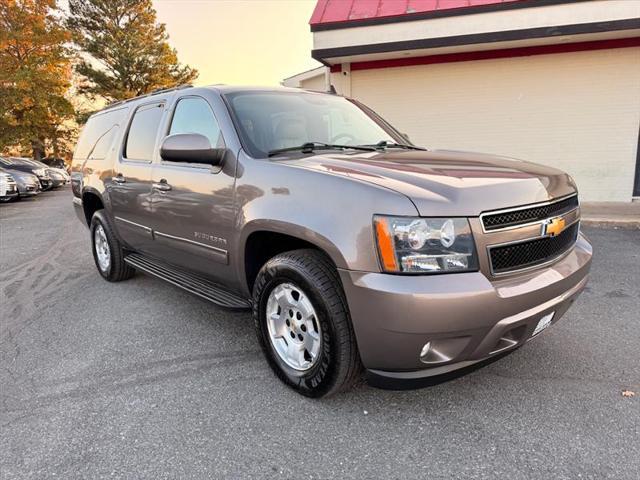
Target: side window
{"type": "Point", "coordinates": [194, 115]}
{"type": "Point", "coordinates": [141, 138]}
{"type": "Point", "coordinates": [98, 134]}
{"type": "Point", "coordinates": [102, 145]}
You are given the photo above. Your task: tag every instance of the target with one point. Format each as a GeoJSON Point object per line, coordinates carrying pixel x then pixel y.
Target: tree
{"type": "Point", "coordinates": [35, 73]}
{"type": "Point", "coordinates": [126, 52]}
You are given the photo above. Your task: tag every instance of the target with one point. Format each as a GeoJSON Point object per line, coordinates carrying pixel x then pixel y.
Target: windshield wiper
{"type": "Point", "coordinates": [381, 145]}
{"type": "Point", "coordinates": [310, 147]}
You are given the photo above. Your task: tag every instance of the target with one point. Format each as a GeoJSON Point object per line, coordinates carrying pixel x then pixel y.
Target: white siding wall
{"type": "Point", "coordinates": [577, 111]}
{"type": "Point", "coordinates": [315, 83]}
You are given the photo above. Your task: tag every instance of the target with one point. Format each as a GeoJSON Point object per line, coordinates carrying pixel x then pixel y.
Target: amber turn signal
{"type": "Point", "coordinates": [385, 244]}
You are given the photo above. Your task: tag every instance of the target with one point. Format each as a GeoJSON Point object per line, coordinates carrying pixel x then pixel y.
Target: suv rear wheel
{"type": "Point", "coordinates": [108, 253]}
{"type": "Point", "coordinates": [303, 324]}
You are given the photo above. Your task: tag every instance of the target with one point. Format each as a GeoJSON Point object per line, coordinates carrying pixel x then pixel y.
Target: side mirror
{"type": "Point", "coordinates": [192, 148]}
{"type": "Point", "coordinates": [406, 137]}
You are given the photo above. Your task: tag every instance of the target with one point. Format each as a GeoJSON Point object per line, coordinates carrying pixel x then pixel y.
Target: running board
{"type": "Point", "coordinates": [188, 281]}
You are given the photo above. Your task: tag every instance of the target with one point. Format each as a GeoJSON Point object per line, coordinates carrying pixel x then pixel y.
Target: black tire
{"type": "Point", "coordinates": [338, 364]}
{"type": "Point", "coordinates": [117, 270]}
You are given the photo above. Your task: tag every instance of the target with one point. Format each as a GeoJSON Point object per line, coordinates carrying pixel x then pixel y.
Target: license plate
{"type": "Point", "coordinates": [543, 323]}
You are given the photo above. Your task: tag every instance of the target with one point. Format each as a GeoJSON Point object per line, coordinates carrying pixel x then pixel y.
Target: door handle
{"type": "Point", "coordinates": [162, 186]}
{"type": "Point", "coordinates": [119, 179]}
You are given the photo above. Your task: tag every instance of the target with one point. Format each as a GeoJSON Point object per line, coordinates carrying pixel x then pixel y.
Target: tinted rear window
{"type": "Point", "coordinates": [141, 138]}
{"type": "Point", "coordinates": [95, 129]}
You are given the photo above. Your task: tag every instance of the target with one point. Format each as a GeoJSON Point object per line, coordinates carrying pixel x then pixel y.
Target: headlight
{"type": "Point", "coordinates": [40, 172]}
{"type": "Point", "coordinates": [425, 245]}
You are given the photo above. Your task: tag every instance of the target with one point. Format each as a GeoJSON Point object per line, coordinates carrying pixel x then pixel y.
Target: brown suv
{"type": "Point", "coordinates": [352, 246]}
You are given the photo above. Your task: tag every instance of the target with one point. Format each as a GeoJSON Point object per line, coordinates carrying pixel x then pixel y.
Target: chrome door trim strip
{"type": "Point", "coordinates": [146, 229]}
{"type": "Point", "coordinates": [186, 240]}
{"type": "Point", "coordinates": [525, 207]}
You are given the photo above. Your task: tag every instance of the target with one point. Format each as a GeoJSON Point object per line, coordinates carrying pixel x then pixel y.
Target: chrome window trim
{"type": "Point", "coordinates": [526, 207]}
{"type": "Point", "coordinates": [532, 267]}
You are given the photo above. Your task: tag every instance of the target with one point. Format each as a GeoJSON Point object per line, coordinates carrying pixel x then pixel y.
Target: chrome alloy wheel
{"type": "Point", "coordinates": [103, 252]}
{"type": "Point", "coordinates": [294, 329]}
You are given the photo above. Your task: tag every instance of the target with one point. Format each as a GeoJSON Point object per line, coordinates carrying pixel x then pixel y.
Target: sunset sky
{"type": "Point", "coordinates": [250, 42]}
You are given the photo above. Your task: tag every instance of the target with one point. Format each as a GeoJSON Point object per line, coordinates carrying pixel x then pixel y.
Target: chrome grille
{"type": "Point", "coordinates": [521, 216]}
{"type": "Point", "coordinates": [530, 253]}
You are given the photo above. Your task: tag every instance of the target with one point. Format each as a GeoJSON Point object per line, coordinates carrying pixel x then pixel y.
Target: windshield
{"type": "Point", "coordinates": [269, 121]}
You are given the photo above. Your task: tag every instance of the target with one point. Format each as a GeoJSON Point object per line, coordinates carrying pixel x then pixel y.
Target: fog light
{"type": "Point", "coordinates": [425, 350]}
{"type": "Point", "coordinates": [442, 350]}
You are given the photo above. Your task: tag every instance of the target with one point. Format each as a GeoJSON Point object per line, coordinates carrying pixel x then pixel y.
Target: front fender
{"type": "Point", "coordinates": [332, 212]}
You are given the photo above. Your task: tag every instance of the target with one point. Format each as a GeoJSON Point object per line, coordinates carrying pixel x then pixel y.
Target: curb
{"type": "Point", "coordinates": [611, 223]}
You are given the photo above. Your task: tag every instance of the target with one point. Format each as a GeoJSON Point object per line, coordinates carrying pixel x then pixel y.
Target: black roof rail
{"type": "Point", "coordinates": [153, 92]}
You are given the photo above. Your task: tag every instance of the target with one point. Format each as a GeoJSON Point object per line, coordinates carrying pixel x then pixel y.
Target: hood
{"type": "Point", "coordinates": [441, 182]}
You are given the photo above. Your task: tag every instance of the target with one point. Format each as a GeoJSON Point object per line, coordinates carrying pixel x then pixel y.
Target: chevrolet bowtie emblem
{"type": "Point", "coordinates": [553, 227]}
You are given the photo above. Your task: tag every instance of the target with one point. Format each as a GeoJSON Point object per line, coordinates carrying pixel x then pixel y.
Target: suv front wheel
{"type": "Point", "coordinates": [108, 252]}
{"type": "Point", "coordinates": [303, 324]}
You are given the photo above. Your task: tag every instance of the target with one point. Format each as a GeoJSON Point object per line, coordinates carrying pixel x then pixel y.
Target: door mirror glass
{"type": "Point", "coordinates": [191, 148]}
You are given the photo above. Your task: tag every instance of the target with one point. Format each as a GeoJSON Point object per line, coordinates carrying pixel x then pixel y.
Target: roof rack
{"type": "Point", "coordinates": [153, 92]}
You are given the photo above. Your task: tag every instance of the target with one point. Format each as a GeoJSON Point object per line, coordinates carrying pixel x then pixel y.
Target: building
{"type": "Point", "coordinates": [316, 79]}
{"type": "Point", "coordinates": [554, 82]}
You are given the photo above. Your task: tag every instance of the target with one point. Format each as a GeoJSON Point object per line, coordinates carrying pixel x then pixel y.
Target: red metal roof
{"type": "Point", "coordinates": [332, 11]}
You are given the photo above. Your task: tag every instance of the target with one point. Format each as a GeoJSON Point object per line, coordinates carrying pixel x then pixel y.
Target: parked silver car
{"type": "Point", "coordinates": [27, 183]}
{"type": "Point", "coordinates": [8, 187]}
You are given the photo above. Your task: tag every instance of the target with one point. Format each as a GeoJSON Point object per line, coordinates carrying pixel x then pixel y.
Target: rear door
{"type": "Point", "coordinates": [130, 185]}
{"type": "Point", "coordinates": [193, 210]}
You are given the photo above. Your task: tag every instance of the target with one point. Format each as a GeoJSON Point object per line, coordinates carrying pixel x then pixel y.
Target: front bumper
{"type": "Point", "coordinates": [45, 183]}
{"type": "Point", "coordinates": [28, 189]}
{"type": "Point", "coordinates": [466, 317]}
{"type": "Point", "coordinates": [10, 192]}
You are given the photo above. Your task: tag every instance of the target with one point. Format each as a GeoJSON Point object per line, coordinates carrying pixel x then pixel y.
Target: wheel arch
{"type": "Point", "coordinates": [262, 240]}
{"type": "Point", "coordinates": [92, 201]}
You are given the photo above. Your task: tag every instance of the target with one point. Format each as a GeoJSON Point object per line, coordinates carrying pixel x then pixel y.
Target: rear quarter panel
{"type": "Point", "coordinates": [89, 174]}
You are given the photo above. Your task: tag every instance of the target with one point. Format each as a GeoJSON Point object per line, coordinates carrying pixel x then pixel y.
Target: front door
{"type": "Point", "coordinates": [130, 186]}
{"type": "Point", "coordinates": [193, 210]}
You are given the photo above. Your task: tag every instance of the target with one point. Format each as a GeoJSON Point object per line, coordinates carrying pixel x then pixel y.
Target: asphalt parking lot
{"type": "Point", "coordinates": [142, 380]}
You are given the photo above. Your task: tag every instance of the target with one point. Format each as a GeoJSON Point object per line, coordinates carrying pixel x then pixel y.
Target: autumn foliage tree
{"type": "Point", "coordinates": [125, 51]}
{"type": "Point", "coordinates": [35, 74]}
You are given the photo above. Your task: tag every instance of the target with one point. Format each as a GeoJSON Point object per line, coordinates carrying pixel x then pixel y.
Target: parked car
{"type": "Point", "coordinates": [62, 173]}
{"type": "Point", "coordinates": [54, 162]}
{"type": "Point", "coordinates": [58, 178]}
{"type": "Point", "coordinates": [25, 165]}
{"type": "Point", "coordinates": [351, 245]}
{"type": "Point", "coordinates": [27, 183]}
{"type": "Point", "coordinates": [8, 187]}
